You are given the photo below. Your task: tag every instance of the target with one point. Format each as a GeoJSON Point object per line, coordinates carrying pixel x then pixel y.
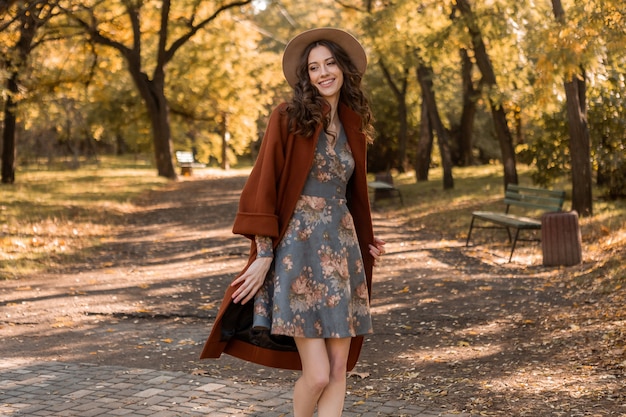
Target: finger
{"type": "Point", "coordinates": [376, 250]}
{"type": "Point", "coordinates": [239, 292]}
{"type": "Point", "coordinates": [239, 297]}
{"type": "Point", "coordinates": [250, 294]}
{"type": "Point", "coordinates": [238, 280]}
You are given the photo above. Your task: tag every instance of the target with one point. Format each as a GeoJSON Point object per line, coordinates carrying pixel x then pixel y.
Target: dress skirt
{"type": "Point", "coordinates": [316, 286]}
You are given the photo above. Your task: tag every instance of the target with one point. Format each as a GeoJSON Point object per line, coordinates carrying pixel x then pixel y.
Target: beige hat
{"type": "Point", "coordinates": [295, 48]}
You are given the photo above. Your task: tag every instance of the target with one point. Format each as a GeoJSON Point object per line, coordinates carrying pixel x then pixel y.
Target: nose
{"type": "Point", "coordinates": [324, 70]}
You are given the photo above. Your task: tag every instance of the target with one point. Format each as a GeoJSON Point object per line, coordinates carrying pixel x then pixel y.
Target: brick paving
{"type": "Point", "coordinates": [47, 389]}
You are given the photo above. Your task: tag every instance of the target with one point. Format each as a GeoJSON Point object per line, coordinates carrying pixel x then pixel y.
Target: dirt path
{"type": "Point", "coordinates": [455, 327]}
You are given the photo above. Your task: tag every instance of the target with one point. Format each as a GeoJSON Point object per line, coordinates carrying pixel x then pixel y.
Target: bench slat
{"type": "Point", "coordinates": [541, 205]}
{"type": "Point", "coordinates": [184, 157]}
{"type": "Point", "coordinates": [519, 222]}
{"type": "Point", "coordinates": [380, 185]}
{"type": "Point", "coordinates": [537, 191]}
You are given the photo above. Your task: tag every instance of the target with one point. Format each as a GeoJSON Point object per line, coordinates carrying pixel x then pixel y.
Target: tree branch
{"type": "Point", "coordinates": [92, 30]}
{"type": "Point", "coordinates": [396, 90]}
{"type": "Point", "coordinates": [169, 54]}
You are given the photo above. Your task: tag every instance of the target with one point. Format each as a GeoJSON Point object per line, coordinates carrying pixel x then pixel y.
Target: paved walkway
{"type": "Point", "coordinates": [77, 389]}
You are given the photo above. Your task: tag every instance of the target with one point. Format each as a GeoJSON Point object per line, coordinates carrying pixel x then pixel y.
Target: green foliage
{"type": "Point", "coordinates": [222, 90]}
{"type": "Point", "coordinates": [607, 125]}
{"type": "Point", "coordinates": [547, 150]}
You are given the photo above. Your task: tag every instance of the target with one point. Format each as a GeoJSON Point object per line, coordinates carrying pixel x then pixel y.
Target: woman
{"type": "Point", "coordinates": [302, 302]}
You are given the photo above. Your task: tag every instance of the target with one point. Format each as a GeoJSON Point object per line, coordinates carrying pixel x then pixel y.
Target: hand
{"type": "Point", "coordinates": [251, 280]}
{"type": "Point", "coordinates": [377, 249]}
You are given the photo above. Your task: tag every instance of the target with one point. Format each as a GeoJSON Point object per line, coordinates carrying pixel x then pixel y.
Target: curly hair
{"type": "Point", "coordinates": [306, 108]}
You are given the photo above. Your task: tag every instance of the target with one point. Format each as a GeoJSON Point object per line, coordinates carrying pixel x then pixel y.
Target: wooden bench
{"type": "Point", "coordinates": [187, 162]}
{"type": "Point", "coordinates": [529, 198]}
{"type": "Point", "coordinates": [383, 188]}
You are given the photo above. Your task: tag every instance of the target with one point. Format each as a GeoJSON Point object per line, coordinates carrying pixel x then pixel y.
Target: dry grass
{"type": "Point", "coordinates": [54, 212]}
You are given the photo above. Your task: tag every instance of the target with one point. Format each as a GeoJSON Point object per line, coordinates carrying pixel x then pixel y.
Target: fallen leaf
{"type": "Point", "coordinates": [201, 372]}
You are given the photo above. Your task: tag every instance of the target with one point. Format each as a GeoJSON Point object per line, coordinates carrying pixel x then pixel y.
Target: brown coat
{"type": "Point", "coordinates": [266, 205]}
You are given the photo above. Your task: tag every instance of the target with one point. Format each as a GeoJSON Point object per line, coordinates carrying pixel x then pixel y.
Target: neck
{"type": "Point", "coordinates": [334, 103]}
{"type": "Point", "coordinates": [332, 115]}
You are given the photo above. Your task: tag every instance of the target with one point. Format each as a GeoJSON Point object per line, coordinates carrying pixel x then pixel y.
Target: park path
{"type": "Point", "coordinates": [457, 330]}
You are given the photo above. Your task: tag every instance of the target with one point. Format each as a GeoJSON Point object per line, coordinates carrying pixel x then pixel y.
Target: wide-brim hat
{"type": "Point", "coordinates": [295, 48]}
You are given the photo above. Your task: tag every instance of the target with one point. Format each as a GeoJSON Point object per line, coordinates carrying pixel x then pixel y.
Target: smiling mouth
{"type": "Point", "coordinates": [326, 83]}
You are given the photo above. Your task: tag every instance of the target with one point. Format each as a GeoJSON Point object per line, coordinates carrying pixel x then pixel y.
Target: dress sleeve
{"type": "Point", "coordinates": [264, 247]}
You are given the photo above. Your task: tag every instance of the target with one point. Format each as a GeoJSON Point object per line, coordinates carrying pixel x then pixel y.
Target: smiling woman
{"type": "Point", "coordinates": [302, 301]}
{"type": "Point", "coordinates": [327, 77]}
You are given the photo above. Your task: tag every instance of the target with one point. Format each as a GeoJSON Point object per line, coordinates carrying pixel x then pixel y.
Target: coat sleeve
{"type": "Point", "coordinates": [257, 213]}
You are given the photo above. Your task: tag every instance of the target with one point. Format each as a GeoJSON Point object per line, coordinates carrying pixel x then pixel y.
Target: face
{"type": "Point", "coordinates": [324, 72]}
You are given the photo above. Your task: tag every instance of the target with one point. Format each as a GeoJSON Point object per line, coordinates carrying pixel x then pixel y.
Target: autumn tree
{"type": "Point", "coordinates": [575, 93]}
{"type": "Point", "coordinates": [410, 49]}
{"type": "Point", "coordinates": [19, 25]}
{"type": "Point", "coordinates": [174, 27]}
{"type": "Point", "coordinates": [425, 76]}
{"type": "Point", "coordinates": [483, 61]}
{"type": "Point", "coordinates": [399, 90]}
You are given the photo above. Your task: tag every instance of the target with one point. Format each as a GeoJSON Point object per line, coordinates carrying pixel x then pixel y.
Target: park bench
{"type": "Point", "coordinates": [383, 188]}
{"type": "Point", "coordinates": [528, 198]}
{"type": "Point", "coordinates": [187, 162]}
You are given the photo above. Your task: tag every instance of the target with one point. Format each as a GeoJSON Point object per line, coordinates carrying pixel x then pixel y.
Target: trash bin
{"type": "Point", "coordinates": [561, 241]}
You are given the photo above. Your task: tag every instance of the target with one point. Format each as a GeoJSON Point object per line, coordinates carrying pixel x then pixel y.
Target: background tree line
{"type": "Point", "coordinates": [452, 83]}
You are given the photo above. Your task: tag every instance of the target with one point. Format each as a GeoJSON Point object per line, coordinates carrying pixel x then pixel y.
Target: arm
{"type": "Point", "coordinates": [251, 281]}
{"type": "Point", "coordinates": [257, 213]}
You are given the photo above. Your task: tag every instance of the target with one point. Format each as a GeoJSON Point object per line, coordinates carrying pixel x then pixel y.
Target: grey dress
{"type": "Point", "coordinates": [316, 286]}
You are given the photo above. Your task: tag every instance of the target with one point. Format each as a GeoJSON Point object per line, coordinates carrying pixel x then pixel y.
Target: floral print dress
{"type": "Point", "coordinates": [316, 286]}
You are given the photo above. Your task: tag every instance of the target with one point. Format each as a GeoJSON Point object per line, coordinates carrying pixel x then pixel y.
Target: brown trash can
{"type": "Point", "coordinates": [561, 241]}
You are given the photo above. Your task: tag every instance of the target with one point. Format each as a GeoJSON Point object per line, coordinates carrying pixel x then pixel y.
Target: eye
{"type": "Point", "coordinates": [313, 68]}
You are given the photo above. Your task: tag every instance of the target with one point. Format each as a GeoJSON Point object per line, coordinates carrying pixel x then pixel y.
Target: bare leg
{"type": "Point", "coordinates": [314, 378]}
{"type": "Point", "coordinates": [330, 403]}
{"type": "Point", "coordinates": [323, 380]}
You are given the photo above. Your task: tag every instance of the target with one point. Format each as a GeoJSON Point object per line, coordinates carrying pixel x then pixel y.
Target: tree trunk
{"type": "Point", "coordinates": [153, 94]}
{"type": "Point", "coordinates": [579, 145]}
{"type": "Point", "coordinates": [489, 78]}
{"type": "Point", "coordinates": [30, 22]}
{"type": "Point", "coordinates": [424, 146]}
{"type": "Point", "coordinates": [400, 94]}
{"type": "Point", "coordinates": [470, 95]}
{"type": "Point", "coordinates": [425, 78]}
{"type": "Point", "coordinates": [582, 200]}
{"type": "Point", "coordinates": [8, 135]}
{"type": "Point", "coordinates": [225, 136]}
{"type": "Point", "coordinates": [403, 135]}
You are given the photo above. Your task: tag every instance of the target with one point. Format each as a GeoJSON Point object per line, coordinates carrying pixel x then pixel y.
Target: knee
{"type": "Point", "coordinates": [317, 381]}
{"type": "Point", "coordinates": [338, 371]}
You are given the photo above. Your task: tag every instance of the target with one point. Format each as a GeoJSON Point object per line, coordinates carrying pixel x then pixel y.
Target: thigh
{"type": "Point", "coordinates": [313, 354]}
{"type": "Point", "coordinates": [338, 351]}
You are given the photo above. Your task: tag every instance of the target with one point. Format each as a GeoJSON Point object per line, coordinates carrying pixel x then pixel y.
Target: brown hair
{"type": "Point", "coordinates": [306, 108]}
